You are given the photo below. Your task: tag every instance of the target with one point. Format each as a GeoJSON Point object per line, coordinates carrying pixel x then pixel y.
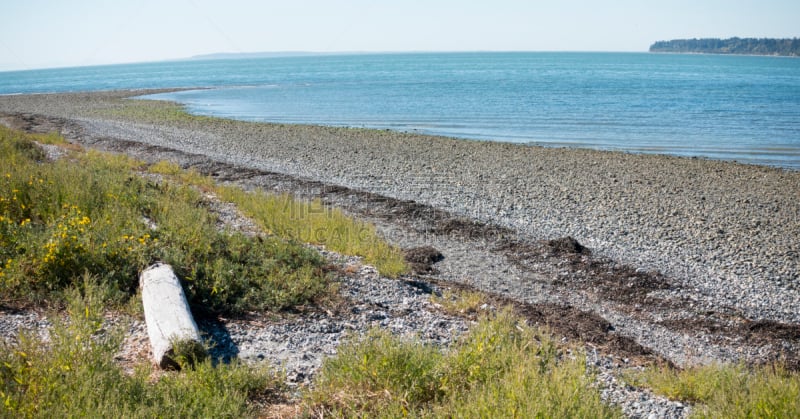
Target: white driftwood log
{"type": "Point", "coordinates": [166, 313]}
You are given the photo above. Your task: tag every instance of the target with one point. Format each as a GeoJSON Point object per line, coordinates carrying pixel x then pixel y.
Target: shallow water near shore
{"type": "Point", "coordinates": [719, 107]}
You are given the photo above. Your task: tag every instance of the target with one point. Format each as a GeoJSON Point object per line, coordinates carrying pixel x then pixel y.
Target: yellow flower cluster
{"type": "Point", "coordinates": [67, 235]}
{"type": "Point", "coordinates": [133, 241]}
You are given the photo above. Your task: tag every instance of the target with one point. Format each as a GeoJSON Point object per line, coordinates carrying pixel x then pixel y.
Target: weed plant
{"type": "Point", "coordinates": [729, 391]}
{"type": "Point", "coordinates": [501, 368]}
{"type": "Point", "coordinates": [460, 302]}
{"type": "Point", "coordinates": [313, 222]}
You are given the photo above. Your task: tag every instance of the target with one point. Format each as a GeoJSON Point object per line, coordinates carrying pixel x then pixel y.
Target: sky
{"type": "Point", "coordinates": [57, 33]}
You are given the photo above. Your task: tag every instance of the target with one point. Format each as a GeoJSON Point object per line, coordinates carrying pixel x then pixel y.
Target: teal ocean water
{"type": "Point", "coordinates": [722, 107]}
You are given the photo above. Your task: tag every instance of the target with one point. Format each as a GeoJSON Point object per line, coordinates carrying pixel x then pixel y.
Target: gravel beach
{"type": "Point", "coordinates": [692, 260]}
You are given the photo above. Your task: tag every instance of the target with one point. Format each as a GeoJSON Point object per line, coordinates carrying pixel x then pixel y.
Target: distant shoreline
{"type": "Point", "coordinates": [785, 47]}
{"type": "Point", "coordinates": [717, 54]}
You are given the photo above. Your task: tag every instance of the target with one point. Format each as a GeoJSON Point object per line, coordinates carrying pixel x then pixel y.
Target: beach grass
{"type": "Point", "coordinates": [501, 368]}
{"type": "Point", "coordinates": [728, 390]}
{"type": "Point", "coordinates": [313, 222]}
{"type": "Point", "coordinates": [153, 111]}
{"type": "Point", "coordinates": [187, 176]}
{"type": "Point", "coordinates": [93, 213]}
{"type": "Point", "coordinates": [459, 302]}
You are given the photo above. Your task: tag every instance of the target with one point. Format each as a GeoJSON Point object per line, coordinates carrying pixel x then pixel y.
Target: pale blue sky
{"type": "Point", "coordinates": [53, 33]}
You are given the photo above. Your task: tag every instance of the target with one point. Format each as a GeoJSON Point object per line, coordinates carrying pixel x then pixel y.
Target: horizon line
{"type": "Point", "coordinates": [291, 53]}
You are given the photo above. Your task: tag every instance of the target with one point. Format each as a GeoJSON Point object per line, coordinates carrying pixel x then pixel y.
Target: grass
{"type": "Point", "coordinates": [92, 213]}
{"type": "Point", "coordinates": [189, 176]}
{"type": "Point", "coordinates": [155, 112]}
{"type": "Point", "coordinates": [501, 368]}
{"type": "Point", "coordinates": [461, 302]}
{"type": "Point", "coordinates": [302, 221]}
{"type": "Point", "coordinates": [729, 391]}
{"type": "Point", "coordinates": [313, 222]}
{"type": "Point", "coordinates": [73, 374]}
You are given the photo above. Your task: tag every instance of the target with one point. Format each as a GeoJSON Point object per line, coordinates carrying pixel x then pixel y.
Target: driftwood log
{"type": "Point", "coordinates": [167, 315]}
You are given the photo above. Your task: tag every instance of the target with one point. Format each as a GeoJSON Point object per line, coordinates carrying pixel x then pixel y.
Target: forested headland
{"type": "Point", "coordinates": [747, 46]}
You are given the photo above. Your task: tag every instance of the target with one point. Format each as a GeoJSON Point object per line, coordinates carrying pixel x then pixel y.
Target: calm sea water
{"type": "Point", "coordinates": [723, 107]}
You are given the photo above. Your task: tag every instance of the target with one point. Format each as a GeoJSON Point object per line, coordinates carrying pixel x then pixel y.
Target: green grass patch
{"type": "Point", "coordinates": [188, 176]}
{"type": "Point", "coordinates": [92, 213]}
{"type": "Point", "coordinates": [73, 374]}
{"type": "Point", "coordinates": [313, 222]}
{"type": "Point", "coordinates": [501, 368]}
{"type": "Point", "coordinates": [153, 111]}
{"type": "Point", "coordinates": [165, 167]}
{"type": "Point", "coordinates": [728, 391]}
{"type": "Point", "coordinates": [461, 302]}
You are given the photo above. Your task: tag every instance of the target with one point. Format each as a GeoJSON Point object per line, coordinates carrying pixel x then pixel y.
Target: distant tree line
{"type": "Point", "coordinates": [751, 46]}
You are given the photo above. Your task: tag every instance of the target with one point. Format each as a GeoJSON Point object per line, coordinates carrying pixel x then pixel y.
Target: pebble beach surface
{"type": "Point", "coordinates": [725, 236]}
